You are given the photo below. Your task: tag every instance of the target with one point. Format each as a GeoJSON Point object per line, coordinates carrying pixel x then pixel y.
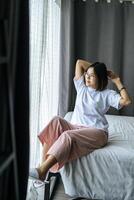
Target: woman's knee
{"type": "Point", "coordinates": [56, 119]}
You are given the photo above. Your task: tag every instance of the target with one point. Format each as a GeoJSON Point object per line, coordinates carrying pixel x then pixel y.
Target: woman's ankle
{"type": "Point", "coordinates": [42, 174]}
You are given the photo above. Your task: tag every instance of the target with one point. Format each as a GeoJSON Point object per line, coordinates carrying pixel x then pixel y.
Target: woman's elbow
{"type": "Point", "coordinates": [125, 102]}
{"type": "Point", "coordinates": [128, 102]}
{"type": "Point", "coordinates": [78, 61]}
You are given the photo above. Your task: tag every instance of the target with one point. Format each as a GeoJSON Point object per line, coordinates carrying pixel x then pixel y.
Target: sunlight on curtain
{"type": "Point", "coordinates": [44, 69]}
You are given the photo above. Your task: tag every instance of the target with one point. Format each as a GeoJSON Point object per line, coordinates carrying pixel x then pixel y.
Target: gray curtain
{"type": "Point", "coordinates": [96, 32]}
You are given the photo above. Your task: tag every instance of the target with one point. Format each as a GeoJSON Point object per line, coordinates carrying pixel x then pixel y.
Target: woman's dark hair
{"type": "Point", "coordinates": [100, 71]}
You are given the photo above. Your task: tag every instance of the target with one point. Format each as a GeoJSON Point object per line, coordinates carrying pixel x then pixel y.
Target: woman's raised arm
{"type": "Point", "coordinates": [125, 99]}
{"type": "Point", "coordinates": [80, 67]}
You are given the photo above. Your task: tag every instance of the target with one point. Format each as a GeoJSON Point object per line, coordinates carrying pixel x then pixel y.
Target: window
{"type": "Point", "coordinates": [44, 69]}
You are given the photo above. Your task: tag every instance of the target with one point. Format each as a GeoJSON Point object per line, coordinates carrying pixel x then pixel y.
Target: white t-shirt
{"type": "Point", "coordinates": [91, 105]}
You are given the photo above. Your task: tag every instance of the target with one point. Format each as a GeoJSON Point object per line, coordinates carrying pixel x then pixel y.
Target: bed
{"type": "Point", "coordinates": [107, 173]}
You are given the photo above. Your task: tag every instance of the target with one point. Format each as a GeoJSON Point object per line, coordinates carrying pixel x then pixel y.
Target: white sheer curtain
{"type": "Point", "coordinates": [44, 69]}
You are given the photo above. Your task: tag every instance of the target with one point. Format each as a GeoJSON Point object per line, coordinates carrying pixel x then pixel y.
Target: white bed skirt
{"type": "Point", "coordinates": [106, 173]}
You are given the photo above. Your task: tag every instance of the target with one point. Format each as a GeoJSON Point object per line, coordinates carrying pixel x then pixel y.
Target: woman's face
{"type": "Point", "coordinates": [90, 78]}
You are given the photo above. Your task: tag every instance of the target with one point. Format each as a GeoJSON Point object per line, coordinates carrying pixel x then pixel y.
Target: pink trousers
{"type": "Point", "coordinates": [67, 142]}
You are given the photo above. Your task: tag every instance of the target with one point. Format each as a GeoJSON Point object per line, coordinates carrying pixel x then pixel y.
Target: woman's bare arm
{"type": "Point", "coordinates": [80, 67]}
{"type": "Point", "coordinates": [125, 98]}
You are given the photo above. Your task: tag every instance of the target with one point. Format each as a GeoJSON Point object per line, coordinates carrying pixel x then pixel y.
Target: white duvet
{"type": "Point", "coordinates": [107, 173]}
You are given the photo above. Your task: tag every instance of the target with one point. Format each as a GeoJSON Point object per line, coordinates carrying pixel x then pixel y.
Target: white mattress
{"type": "Point", "coordinates": [107, 173]}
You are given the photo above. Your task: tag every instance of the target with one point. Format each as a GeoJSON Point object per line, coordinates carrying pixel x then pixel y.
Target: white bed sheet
{"type": "Point", "coordinates": [107, 173]}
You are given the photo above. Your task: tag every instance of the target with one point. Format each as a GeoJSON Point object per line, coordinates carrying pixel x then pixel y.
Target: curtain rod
{"type": "Point", "coordinates": [109, 1]}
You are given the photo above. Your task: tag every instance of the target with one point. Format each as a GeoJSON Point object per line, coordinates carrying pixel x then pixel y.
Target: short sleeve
{"type": "Point", "coordinates": [79, 83]}
{"type": "Point", "coordinates": [114, 99]}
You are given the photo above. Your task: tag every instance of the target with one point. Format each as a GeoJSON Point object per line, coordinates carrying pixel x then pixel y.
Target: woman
{"type": "Point", "coordinates": [63, 141]}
